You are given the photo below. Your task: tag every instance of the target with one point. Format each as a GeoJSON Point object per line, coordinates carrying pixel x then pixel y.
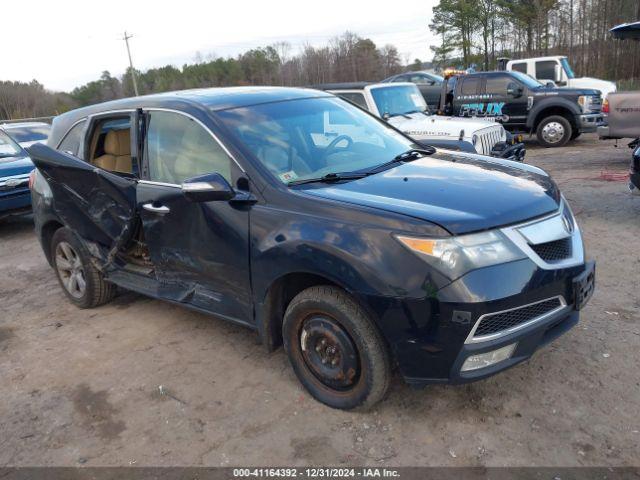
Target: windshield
{"type": "Point", "coordinates": [8, 148]}
{"type": "Point", "coordinates": [398, 100]}
{"type": "Point", "coordinates": [527, 80]}
{"type": "Point", "coordinates": [30, 133]}
{"type": "Point", "coordinates": [567, 68]}
{"type": "Point", "coordinates": [309, 138]}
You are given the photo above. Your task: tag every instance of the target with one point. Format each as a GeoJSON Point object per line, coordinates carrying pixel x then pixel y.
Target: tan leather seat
{"type": "Point", "coordinates": [117, 152]}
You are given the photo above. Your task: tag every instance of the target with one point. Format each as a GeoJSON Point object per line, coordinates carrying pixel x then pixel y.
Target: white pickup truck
{"type": "Point", "coordinates": [403, 106]}
{"type": "Point", "coordinates": [556, 69]}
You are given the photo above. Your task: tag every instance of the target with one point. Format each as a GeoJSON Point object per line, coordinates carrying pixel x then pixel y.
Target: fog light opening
{"type": "Point", "coordinates": [483, 360]}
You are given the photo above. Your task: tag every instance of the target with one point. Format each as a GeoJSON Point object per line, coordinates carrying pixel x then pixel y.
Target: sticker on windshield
{"type": "Point", "coordinates": [288, 176]}
{"type": "Point", "coordinates": [416, 99]}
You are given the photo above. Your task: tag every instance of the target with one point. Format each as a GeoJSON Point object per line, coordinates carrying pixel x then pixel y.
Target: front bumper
{"type": "Point", "coordinates": [436, 353]}
{"type": "Point", "coordinates": [509, 151]}
{"type": "Point", "coordinates": [590, 122]}
{"type": "Point", "coordinates": [15, 202]}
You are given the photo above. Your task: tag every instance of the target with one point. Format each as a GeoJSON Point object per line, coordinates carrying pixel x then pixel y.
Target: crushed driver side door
{"type": "Point", "coordinates": [97, 205]}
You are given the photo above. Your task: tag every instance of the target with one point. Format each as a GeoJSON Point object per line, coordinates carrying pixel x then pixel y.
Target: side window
{"type": "Point", "coordinates": [546, 70]}
{"type": "Point", "coordinates": [71, 142]}
{"type": "Point", "coordinates": [109, 145]}
{"type": "Point", "coordinates": [354, 97]}
{"type": "Point", "coordinates": [497, 85]}
{"type": "Point", "coordinates": [421, 79]}
{"type": "Point", "coordinates": [469, 86]}
{"type": "Point", "coordinates": [178, 148]}
{"type": "Point", "coordinates": [519, 67]}
{"type": "Point", "coordinates": [402, 78]}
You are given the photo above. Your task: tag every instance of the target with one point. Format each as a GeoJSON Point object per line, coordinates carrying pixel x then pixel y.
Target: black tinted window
{"type": "Point", "coordinates": [498, 85]}
{"type": "Point", "coordinates": [519, 67]}
{"type": "Point", "coordinates": [73, 138]}
{"type": "Point", "coordinates": [354, 97]}
{"type": "Point", "coordinates": [546, 70]}
{"type": "Point", "coordinates": [469, 86]}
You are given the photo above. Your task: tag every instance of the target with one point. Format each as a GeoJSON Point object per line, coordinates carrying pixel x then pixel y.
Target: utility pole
{"type": "Point", "coordinates": [133, 72]}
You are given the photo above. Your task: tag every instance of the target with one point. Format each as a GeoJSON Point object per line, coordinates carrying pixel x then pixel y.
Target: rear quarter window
{"type": "Point", "coordinates": [73, 139]}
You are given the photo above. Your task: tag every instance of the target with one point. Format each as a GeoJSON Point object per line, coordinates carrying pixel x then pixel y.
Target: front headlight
{"type": "Point", "coordinates": [458, 255]}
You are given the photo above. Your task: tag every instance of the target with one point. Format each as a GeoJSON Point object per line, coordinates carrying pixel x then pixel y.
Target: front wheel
{"type": "Point", "coordinates": [554, 131]}
{"type": "Point", "coordinates": [335, 349]}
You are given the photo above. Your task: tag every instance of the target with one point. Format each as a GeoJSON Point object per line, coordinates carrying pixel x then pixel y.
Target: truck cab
{"type": "Point", "coordinates": [523, 105]}
{"type": "Point", "coordinates": [557, 69]}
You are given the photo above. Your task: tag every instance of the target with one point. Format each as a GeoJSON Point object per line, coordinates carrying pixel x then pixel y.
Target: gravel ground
{"type": "Point", "coordinates": [142, 382]}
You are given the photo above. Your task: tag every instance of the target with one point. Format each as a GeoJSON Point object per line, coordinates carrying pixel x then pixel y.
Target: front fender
{"type": "Point", "coordinates": [551, 102]}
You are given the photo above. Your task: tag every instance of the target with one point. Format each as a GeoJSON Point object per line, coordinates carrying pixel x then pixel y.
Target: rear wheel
{"type": "Point", "coordinates": [80, 280]}
{"type": "Point", "coordinates": [554, 131]}
{"type": "Point", "coordinates": [335, 349]}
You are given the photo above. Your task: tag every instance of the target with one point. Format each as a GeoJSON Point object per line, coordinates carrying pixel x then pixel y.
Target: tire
{"type": "Point", "coordinates": [324, 323]}
{"type": "Point", "coordinates": [71, 259]}
{"type": "Point", "coordinates": [554, 131]}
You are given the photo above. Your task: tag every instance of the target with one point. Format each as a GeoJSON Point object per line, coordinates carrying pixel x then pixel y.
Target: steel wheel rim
{"type": "Point", "coordinates": [553, 132]}
{"type": "Point", "coordinates": [329, 352]}
{"type": "Point", "coordinates": [70, 270]}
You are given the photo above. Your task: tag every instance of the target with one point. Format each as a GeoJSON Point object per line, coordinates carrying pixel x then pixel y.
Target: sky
{"type": "Point", "coordinates": [66, 43]}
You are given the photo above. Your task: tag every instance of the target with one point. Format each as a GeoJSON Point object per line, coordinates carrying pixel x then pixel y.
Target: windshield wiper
{"type": "Point", "coordinates": [329, 177]}
{"type": "Point", "coordinates": [409, 155]}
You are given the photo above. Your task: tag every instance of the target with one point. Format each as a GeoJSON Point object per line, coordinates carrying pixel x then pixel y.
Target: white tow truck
{"type": "Point", "coordinates": [556, 69]}
{"type": "Point", "coordinates": [403, 106]}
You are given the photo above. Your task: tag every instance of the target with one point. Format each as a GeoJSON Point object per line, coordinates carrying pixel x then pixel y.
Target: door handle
{"type": "Point", "coordinates": [150, 207]}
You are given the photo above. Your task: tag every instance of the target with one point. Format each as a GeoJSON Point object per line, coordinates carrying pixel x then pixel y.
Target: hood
{"type": "Point", "coordinates": [605, 86]}
{"type": "Point", "coordinates": [15, 166]}
{"type": "Point", "coordinates": [460, 193]}
{"type": "Point", "coordinates": [419, 125]}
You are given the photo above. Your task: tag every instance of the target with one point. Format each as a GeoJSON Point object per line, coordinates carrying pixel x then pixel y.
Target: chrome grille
{"type": "Point", "coordinates": [487, 140]}
{"type": "Point", "coordinates": [495, 323]}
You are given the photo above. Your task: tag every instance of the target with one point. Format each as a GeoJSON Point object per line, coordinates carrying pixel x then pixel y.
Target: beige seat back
{"type": "Point", "coordinates": [117, 152]}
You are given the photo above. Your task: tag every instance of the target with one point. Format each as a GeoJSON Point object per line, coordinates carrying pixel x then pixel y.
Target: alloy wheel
{"type": "Point", "coordinates": [70, 270]}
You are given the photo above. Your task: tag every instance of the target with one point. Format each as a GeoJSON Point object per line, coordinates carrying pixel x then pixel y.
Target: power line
{"type": "Point", "coordinates": [133, 72]}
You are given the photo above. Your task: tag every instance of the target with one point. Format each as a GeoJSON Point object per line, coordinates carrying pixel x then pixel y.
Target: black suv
{"type": "Point", "coordinates": [429, 84]}
{"type": "Point", "coordinates": [524, 105]}
{"type": "Point", "coordinates": [355, 248]}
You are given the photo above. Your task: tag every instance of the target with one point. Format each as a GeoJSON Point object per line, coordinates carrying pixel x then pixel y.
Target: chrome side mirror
{"type": "Point", "coordinates": [211, 187]}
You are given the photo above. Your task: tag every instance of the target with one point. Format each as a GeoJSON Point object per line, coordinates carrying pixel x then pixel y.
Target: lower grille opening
{"type": "Point", "coordinates": [555, 250]}
{"type": "Point", "coordinates": [494, 323]}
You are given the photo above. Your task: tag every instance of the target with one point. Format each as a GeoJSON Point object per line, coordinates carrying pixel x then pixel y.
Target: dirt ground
{"type": "Point", "coordinates": [142, 382]}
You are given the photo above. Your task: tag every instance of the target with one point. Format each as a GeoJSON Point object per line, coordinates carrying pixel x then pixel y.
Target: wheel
{"type": "Point", "coordinates": [554, 131]}
{"type": "Point", "coordinates": [80, 280]}
{"type": "Point", "coordinates": [335, 349]}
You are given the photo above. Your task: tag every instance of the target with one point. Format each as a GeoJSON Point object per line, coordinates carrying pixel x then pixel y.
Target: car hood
{"type": "Point", "coordinates": [605, 86]}
{"type": "Point", "coordinates": [15, 166]}
{"type": "Point", "coordinates": [462, 193]}
{"type": "Point", "coordinates": [419, 125]}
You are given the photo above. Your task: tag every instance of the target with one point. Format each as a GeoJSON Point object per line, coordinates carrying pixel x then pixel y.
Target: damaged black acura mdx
{"type": "Point", "coordinates": [319, 226]}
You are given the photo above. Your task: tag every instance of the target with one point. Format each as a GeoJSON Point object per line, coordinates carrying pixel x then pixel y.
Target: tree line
{"type": "Point", "coordinates": [345, 58]}
{"type": "Point", "coordinates": [469, 32]}
{"type": "Point", "coordinates": [478, 32]}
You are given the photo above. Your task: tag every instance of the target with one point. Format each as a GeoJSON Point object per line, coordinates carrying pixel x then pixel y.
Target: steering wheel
{"type": "Point", "coordinates": [331, 148]}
